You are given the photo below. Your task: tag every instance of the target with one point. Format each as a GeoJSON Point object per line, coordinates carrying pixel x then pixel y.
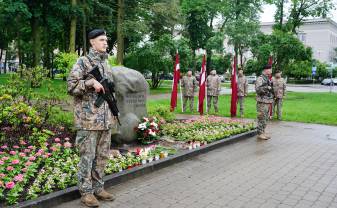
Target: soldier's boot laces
{"type": "Point", "coordinates": [262, 137]}
{"type": "Point", "coordinates": [89, 200]}
{"type": "Point", "coordinates": [104, 195]}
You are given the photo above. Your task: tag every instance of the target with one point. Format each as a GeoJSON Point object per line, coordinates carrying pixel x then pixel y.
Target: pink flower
{"type": "Point", "coordinates": [23, 142]}
{"type": "Point", "coordinates": [67, 139]}
{"type": "Point", "coordinates": [46, 143]}
{"type": "Point", "coordinates": [2, 175]}
{"type": "Point", "coordinates": [58, 144]}
{"type": "Point", "coordinates": [24, 170]}
{"type": "Point", "coordinates": [30, 147]}
{"type": "Point", "coordinates": [67, 144]}
{"type": "Point", "coordinates": [22, 154]}
{"type": "Point", "coordinates": [31, 158]}
{"type": "Point", "coordinates": [27, 150]}
{"type": "Point", "coordinates": [4, 147]}
{"type": "Point", "coordinates": [14, 162]}
{"type": "Point", "coordinates": [10, 168]}
{"type": "Point", "coordinates": [57, 139]}
{"type": "Point", "coordinates": [38, 154]}
{"type": "Point", "coordinates": [48, 154]}
{"type": "Point", "coordinates": [40, 151]}
{"type": "Point", "coordinates": [1, 153]}
{"type": "Point", "coordinates": [12, 152]}
{"type": "Point", "coordinates": [5, 158]}
{"type": "Point", "coordinates": [10, 185]}
{"type": "Point", "coordinates": [1, 162]}
{"type": "Point", "coordinates": [18, 178]}
{"type": "Point", "coordinates": [16, 147]}
{"type": "Point", "coordinates": [28, 163]}
{"type": "Point", "coordinates": [53, 149]}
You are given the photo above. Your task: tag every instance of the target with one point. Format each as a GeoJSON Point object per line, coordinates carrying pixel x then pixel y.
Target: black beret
{"type": "Point", "coordinates": [95, 33]}
{"type": "Point", "coordinates": [267, 67]}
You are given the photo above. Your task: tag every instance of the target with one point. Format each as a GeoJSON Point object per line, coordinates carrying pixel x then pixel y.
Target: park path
{"type": "Point", "coordinates": [297, 168]}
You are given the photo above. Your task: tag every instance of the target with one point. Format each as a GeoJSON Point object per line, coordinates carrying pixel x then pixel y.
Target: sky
{"type": "Point", "coordinates": [269, 11]}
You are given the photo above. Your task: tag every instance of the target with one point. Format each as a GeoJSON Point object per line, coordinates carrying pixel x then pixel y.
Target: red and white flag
{"type": "Point", "coordinates": [176, 77]}
{"type": "Point", "coordinates": [202, 86]}
{"type": "Point", "coordinates": [234, 86]}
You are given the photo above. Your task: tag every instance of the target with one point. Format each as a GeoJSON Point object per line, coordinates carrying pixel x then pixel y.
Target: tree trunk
{"type": "Point", "coordinates": [84, 28]}
{"type": "Point", "coordinates": [73, 22]}
{"type": "Point", "coordinates": [208, 61]}
{"type": "Point", "coordinates": [120, 32]}
{"type": "Point", "coordinates": [0, 59]}
{"type": "Point", "coordinates": [194, 61]}
{"type": "Point", "coordinates": [36, 36]}
{"type": "Point", "coordinates": [281, 14]}
{"type": "Point", "coordinates": [5, 64]}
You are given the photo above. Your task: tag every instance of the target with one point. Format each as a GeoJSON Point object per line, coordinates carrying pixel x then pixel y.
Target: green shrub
{"type": "Point", "coordinates": [19, 114]}
{"type": "Point", "coordinates": [65, 62]}
{"type": "Point", "coordinates": [162, 112]}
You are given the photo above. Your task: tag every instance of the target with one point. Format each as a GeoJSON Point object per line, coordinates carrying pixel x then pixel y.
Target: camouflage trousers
{"type": "Point", "coordinates": [215, 103]}
{"type": "Point", "coordinates": [94, 149]}
{"type": "Point", "coordinates": [262, 116]}
{"type": "Point", "coordinates": [278, 104]}
{"type": "Point", "coordinates": [241, 100]}
{"type": "Point", "coordinates": [185, 99]}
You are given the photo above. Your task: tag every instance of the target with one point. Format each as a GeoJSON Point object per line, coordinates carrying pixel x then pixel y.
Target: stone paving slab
{"type": "Point", "coordinates": [297, 168]}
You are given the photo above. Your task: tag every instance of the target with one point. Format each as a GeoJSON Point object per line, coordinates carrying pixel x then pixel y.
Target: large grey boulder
{"type": "Point", "coordinates": [131, 93]}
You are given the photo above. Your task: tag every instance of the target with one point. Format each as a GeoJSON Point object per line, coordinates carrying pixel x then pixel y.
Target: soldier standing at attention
{"type": "Point", "coordinates": [242, 91]}
{"type": "Point", "coordinates": [213, 90]}
{"type": "Point", "coordinates": [189, 85]}
{"type": "Point", "coordinates": [94, 125]}
{"type": "Point", "coordinates": [264, 98]}
{"type": "Point", "coordinates": [279, 87]}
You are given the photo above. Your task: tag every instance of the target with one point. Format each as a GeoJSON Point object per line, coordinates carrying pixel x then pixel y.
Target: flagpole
{"type": "Point", "coordinates": [181, 98]}
{"type": "Point", "coordinates": [206, 84]}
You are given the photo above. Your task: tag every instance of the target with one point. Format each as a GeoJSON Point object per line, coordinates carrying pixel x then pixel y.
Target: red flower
{"type": "Point", "coordinates": [10, 185]}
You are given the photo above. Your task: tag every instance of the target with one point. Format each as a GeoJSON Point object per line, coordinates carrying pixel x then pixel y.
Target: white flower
{"type": "Point", "coordinates": [142, 126]}
{"type": "Point", "coordinates": [154, 124]}
{"type": "Point", "coordinates": [152, 133]}
{"type": "Point", "coordinates": [145, 119]}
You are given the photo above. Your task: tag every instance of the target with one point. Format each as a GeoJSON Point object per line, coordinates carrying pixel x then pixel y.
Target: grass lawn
{"type": "Point", "coordinates": [301, 107]}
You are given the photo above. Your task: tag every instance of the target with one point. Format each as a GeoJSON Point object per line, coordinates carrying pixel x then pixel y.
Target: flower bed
{"type": "Point", "coordinates": [33, 167]}
{"type": "Point", "coordinates": [205, 129]}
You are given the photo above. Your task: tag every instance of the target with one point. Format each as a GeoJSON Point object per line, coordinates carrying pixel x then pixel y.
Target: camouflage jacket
{"type": "Point", "coordinates": [279, 87]}
{"type": "Point", "coordinates": [213, 85]}
{"type": "Point", "coordinates": [189, 85]}
{"type": "Point", "coordinates": [242, 86]}
{"type": "Point", "coordinates": [264, 89]}
{"type": "Point", "coordinates": [87, 116]}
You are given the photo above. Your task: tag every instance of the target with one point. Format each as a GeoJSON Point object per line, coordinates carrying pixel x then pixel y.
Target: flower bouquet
{"type": "Point", "coordinates": [147, 130]}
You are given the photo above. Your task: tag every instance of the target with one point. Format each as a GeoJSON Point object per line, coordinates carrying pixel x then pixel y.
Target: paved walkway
{"type": "Point", "coordinates": [297, 168]}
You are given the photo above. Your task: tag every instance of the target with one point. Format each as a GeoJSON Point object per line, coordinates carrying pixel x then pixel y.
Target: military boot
{"type": "Point", "coordinates": [89, 200]}
{"type": "Point", "coordinates": [262, 137]}
{"type": "Point", "coordinates": [104, 195]}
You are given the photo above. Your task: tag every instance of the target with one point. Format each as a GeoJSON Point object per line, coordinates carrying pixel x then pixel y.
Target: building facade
{"type": "Point", "coordinates": [319, 34]}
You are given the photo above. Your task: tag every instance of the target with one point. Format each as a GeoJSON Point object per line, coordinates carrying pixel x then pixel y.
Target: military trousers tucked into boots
{"type": "Point", "coordinates": [262, 116]}
{"type": "Point", "coordinates": [185, 99]}
{"type": "Point", "coordinates": [94, 147]}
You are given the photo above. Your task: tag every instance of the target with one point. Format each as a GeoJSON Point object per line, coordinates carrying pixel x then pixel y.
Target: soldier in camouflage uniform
{"type": "Point", "coordinates": [264, 98]}
{"type": "Point", "coordinates": [189, 85]}
{"type": "Point", "coordinates": [242, 90]}
{"type": "Point", "coordinates": [94, 125]}
{"type": "Point", "coordinates": [279, 87]}
{"type": "Point", "coordinates": [213, 90]}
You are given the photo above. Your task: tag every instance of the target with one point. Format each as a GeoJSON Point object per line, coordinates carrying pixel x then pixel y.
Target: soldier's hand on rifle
{"type": "Point", "coordinates": [95, 84]}
{"type": "Point", "coordinates": [98, 87]}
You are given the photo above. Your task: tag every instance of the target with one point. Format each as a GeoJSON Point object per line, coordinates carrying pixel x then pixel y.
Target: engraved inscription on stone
{"type": "Point", "coordinates": [135, 99]}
